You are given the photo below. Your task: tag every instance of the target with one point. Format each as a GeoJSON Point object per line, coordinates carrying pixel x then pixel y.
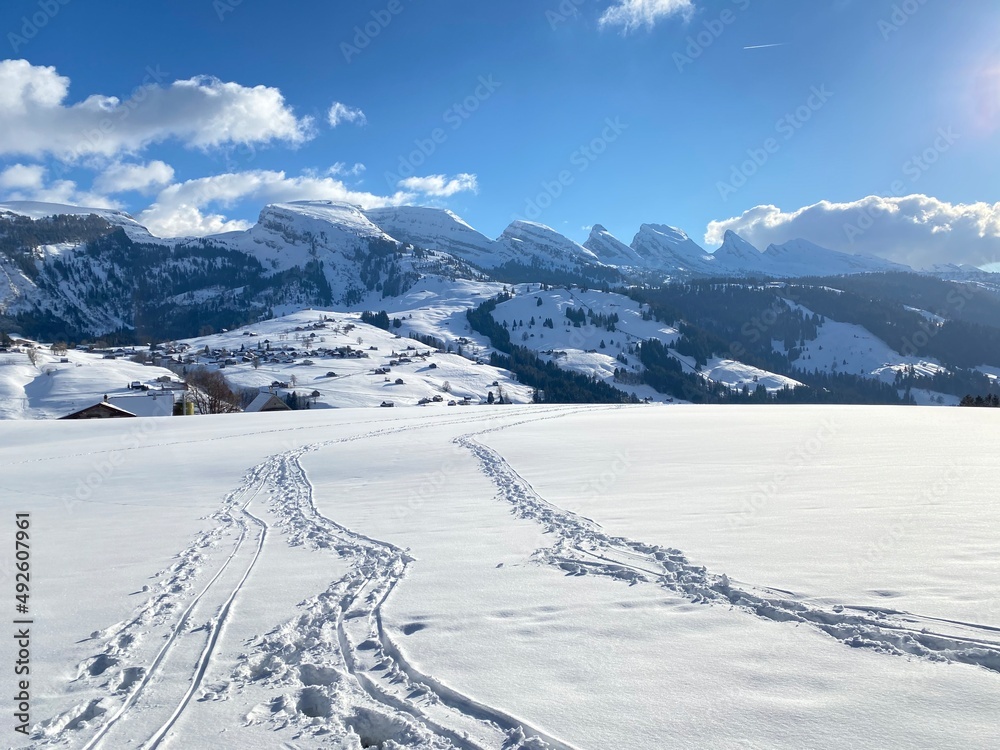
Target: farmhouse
{"type": "Point", "coordinates": [266, 402]}
{"type": "Point", "coordinates": [103, 410]}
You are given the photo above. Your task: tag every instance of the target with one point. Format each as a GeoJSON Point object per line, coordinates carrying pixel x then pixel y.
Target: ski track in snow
{"type": "Point", "coordinates": [335, 671]}
{"type": "Point", "coordinates": [338, 671]}
{"type": "Point", "coordinates": [583, 547]}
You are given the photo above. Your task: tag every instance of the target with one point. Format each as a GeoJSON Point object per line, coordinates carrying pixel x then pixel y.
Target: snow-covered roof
{"type": "Point", "coordinates": [266, 402]}
{"type": "Point", "coordinates": [148, 405]}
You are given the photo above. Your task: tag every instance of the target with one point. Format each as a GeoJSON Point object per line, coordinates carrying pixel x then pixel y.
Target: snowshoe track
{"type": "Point", "coordinates": [582, 547]}
{"type": "Point", "coordinates": [338, 652]}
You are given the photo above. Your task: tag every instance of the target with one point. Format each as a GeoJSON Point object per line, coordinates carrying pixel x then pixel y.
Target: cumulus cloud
{"type": "Point", "coordinates": [202, 112]}
{"type": "Point", "coordinates": [918, 230]}
{"type": "Point", "coordinates": [632, 14]}
{"type": "Point", "coordinates": [20, 182]}
{"type": "Point", "coordinates": [180, 209]}
{"type": "Point", "coordinates": [121, 178]}
{"type": "Point", "coordinates": [340, 113]}
{"type": "Point", "coordinates": [22, 177]}
{"type": "Point", "coordinates": [441, 186]}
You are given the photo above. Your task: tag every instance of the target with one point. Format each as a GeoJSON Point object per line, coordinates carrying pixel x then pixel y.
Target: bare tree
{"type": "Point", "coordinates": [32, 355]}
{"type": "Point", "coordinates": [211, 393]}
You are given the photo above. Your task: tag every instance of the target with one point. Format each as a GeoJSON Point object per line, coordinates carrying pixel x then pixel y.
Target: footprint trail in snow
{"type": "Point", "coordinates": [582, 548]}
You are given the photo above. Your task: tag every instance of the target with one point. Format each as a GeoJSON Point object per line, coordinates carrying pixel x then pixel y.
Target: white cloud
{"type": "Point", "coordinates": [180, 209]}
{"type": "Point", "coordinates": [20, 182]}
{"type": "Point", "coordinates": [917, 230]}
{"type": "Point", "coordinates": [201, 112]}
{"type": "Point", "coordinates": [121, 178]}
{"type": "Point", "coordinates": [340, 169]}
{"type": "Point", "coordinates": [23, 177]}
{"type": "Point", "coordinates": [340, 113]}
{"type": "Point", "coordinates": [631, 14]}
{"type": "Point", "coordinates": [441, 186]}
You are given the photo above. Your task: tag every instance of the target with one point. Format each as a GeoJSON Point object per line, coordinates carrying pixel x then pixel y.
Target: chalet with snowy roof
{"type": "Point", "coordinates": [150, 404]}
{"type": "Point", "coordinates": [103, 410]}
{"type": "Point", "coordinates": [266, 402]}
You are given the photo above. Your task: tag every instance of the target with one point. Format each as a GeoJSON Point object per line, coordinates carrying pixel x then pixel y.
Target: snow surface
{"type": "Point", "coordinates": [358, 578]}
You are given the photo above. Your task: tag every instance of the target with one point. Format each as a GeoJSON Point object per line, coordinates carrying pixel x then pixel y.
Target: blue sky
{"type": "Point", "coordinates": [870, 126]}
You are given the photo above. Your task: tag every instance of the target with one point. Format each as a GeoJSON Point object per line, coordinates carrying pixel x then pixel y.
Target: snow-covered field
{"type": "Point", "coordinates": [518, 577]}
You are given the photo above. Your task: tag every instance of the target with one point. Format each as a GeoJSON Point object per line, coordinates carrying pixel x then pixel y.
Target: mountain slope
{"type": "Point", "coordinates": [803, 258]}
{"type": "Point", "coordinates": [609, 249]}
{"type": "Point", "coordinates": [670, 250]}
{"type": "Point", "coordinates": [436, 229]}
{"type": "Point", "coordinates": [738, 254]}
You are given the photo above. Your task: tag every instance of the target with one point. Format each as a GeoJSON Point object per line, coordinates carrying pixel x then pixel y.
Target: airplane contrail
{"type": "Point", "coordinates": [765, 46]}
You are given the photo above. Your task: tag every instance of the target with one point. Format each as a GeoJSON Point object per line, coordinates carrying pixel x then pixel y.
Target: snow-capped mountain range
{"type": "Point", "coordinates": [67, 269]}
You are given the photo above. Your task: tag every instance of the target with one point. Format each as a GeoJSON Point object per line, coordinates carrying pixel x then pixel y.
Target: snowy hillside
{"type": "Point", "coordinates": [518, 579]}
{"type": "Point", "coordinates": [340, 362]}
{"type": "Point", "coordinates": [597, 347]}
{"type": "Point", "coordinates": [53, 388]}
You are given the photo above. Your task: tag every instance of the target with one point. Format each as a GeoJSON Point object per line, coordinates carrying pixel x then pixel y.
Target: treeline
{"type": "Point", "coordinates": [987, 401]}
{"type": "Point", "coordinates": [735, 320]}
{"type": "Point", "coordinates": [973, 303]}
{"type": "Point", "coordinates": [551, 384]}
{"type": "Point", "coordinates": [21, 236]}
{"type": "Point", "coordinates": [956, 382]}
{"type": "Point", "coordinates": [666, 374]}
{"type": "Point", "coordinates": [742, 322]}
{"type": "Point", "coordinates": [955, 343]}
{"type": "Point", "coordinates": [377, 319]}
